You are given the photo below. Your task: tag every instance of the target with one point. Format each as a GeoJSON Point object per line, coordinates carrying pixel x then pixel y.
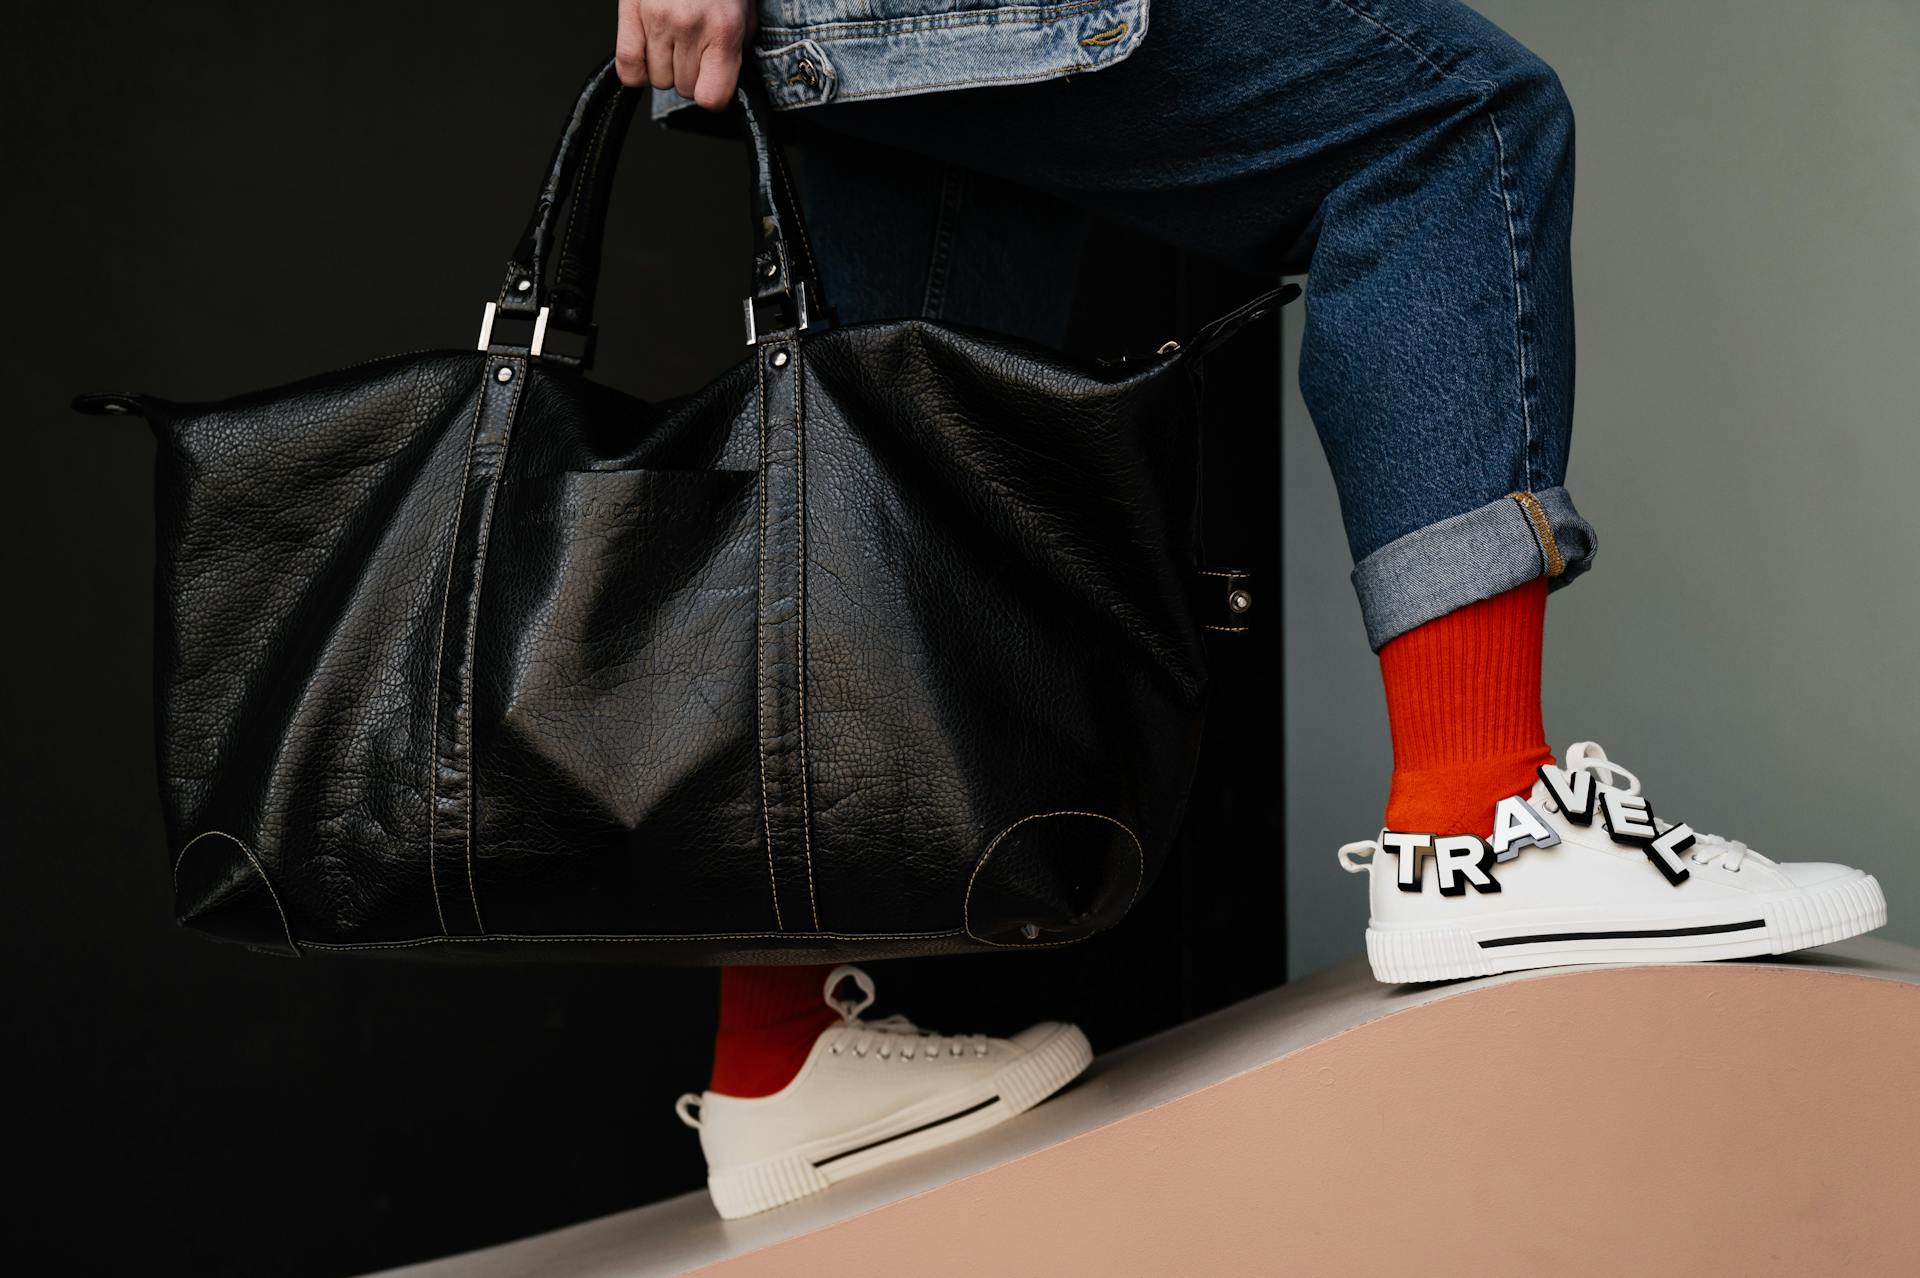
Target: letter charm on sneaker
{"type": "Point", "coordinates": [1572, 793]}
{"type": "Point", "coordinates": [1407, 849]}
{"type": "Point", "coordinates": [1459, 859]}
{"type": "Point", "coordinates": [1665, 851]}
{"type": "Point", "coordinates": [1628, 817]}
{"type": "Point", "coordinates": [1516, 825]}
{"type": "Point", "coordinates": [1585, 892]}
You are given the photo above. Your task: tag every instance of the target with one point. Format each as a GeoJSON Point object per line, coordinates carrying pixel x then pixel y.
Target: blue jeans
{"type": "Point", "coordinates": [1410, 157]}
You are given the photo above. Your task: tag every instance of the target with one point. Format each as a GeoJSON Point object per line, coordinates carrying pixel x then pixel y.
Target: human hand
{"type": "Point", "coordinates": [690, 46]}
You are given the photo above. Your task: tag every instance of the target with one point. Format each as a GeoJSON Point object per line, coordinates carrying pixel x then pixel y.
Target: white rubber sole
{"type": "Point", "coordinates": [1778, 923]}
{"type": "Point", "coordinates": [1043, 1070]}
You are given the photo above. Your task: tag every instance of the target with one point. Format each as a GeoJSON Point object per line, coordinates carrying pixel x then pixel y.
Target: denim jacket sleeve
{"type": "Point", "coordinates": [815, 51]}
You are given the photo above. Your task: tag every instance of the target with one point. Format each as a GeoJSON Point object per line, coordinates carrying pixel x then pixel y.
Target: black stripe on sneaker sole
{"type": "Point", "coordinates": [874, 1144]}
{"type": "Point", "coordinates": [1643, 934]}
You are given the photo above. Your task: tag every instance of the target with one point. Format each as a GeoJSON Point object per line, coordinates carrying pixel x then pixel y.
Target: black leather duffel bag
{"type": "Point", "coordinates": [886, 642]}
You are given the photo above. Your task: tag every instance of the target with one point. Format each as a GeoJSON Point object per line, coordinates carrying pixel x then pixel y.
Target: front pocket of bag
{"type": "Point", "coordinates": [614, 714]}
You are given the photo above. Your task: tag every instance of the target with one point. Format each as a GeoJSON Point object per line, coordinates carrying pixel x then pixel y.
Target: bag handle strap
{"type": "Point", "coordinates": [523, 291]}
{"type": "Point", "coordinates": [576, 277]}
{"type": "Point", "coordinates": [784, 290]}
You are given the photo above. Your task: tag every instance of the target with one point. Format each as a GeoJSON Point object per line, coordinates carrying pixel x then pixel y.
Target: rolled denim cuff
{"type": "Point", "coordinates": [1434, 570]}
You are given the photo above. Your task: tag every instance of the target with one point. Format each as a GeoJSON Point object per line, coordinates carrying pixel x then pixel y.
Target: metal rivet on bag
{"type": "Point", "coordinates": [1239, 601]}
{"type": "Point", "coordinates": [1029, 930]}
{"type": "Point", "coordinates": [523, 286]}
{"type": "Point", "coordinates": [779, 359]}
{"type": "Point", "coordinates": [504, 374]}
{"type": "Point", "coordinates": [773, 269]}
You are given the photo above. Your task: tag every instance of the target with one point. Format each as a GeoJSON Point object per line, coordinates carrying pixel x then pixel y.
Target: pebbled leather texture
{"type": "Point", "coordinates": [883, 643]}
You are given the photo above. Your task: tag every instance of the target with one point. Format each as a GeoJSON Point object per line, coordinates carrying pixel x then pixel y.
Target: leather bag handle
{"type": "Point", "coordinates": [784, 290]}
{"type": "Point", "coordinates": [576, 274]}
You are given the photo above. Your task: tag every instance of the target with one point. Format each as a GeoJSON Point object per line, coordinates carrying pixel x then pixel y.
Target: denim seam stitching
{"type": "Point", "coordinates": [1554, 561]}
{"type": "Point", "coordinates": [1519, 292]}
{"type": "Point", "coordinates": [1487, 87]}
{"type": "Point", "coordinates": [1040, 14]}
{"type": "Point", "coordinates": [940, 256]}
{"type": "Point", "coordinates": [1070, 68]}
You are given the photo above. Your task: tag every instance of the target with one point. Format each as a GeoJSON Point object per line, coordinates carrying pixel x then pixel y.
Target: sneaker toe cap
{"type": "Point", "coordinates": [1034, 1035]}
{"type": "Point", "coordinates": [1806, 874]}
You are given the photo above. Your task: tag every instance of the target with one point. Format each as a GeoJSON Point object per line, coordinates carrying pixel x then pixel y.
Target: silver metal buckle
{"type": "Point", "coordinates": [800, 310]}
{"type": "Point", "coordinates": [539, 329]}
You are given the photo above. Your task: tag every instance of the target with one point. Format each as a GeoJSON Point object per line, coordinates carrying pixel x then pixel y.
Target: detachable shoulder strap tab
{"type": "Point", "coordinates": [1223, 599]}
{"type": "Point", "coordinates": [1218, 332]}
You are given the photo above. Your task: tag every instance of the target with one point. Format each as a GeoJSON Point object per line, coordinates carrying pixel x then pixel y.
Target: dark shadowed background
{"type": "Point", "coordinates": [208, 198]}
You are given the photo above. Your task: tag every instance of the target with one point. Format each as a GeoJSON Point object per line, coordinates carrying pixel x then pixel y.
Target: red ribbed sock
{"type": "Point", "coordinates": [1463, 699]}
{"type": "Point", "coordinates": [769, 1017]}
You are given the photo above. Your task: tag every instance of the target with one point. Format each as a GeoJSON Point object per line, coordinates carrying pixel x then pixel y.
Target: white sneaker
{"type": "Point", "coordinates": [1580, 871]}
{"type": "Point", "coordinates": [871, 1093]}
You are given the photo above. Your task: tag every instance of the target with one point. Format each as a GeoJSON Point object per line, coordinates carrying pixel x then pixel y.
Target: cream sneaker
{"type": "Point", "coordinates": [871, 1093]}
{"type": "Point", "coordinates": [1581, 871]}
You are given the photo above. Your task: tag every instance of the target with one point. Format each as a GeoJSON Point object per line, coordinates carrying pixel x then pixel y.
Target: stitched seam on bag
{"type": "Point", "coordinates": [800, 628]}
{"type": "Point", "coordinates": [439, 653]}
{"type": "Point", "coordinates": [1229, 573]}
{"type": "Point", "coordinates": [258, 868]}
{"type": "Point", "coordinates": [589, 168]}
{"type": "Point", "coordinates": [1140, 872]}
{"type": "Point", "coordinates": [497, 938]}
{"type": "Point", "coordinates": [1232, 630]}
{"type": "Point", "coordinates": [479, 580]}
{"type": "Point", "coordinates": [779, 163]}
{"type": "Point", "coordinates": [759, 647]}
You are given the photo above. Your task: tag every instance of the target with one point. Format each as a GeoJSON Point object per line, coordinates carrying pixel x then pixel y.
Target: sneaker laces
{"type": "Point", "coordinates": [891, 1037]}
{"type": "Point", "coordinates": [1707, 849]}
